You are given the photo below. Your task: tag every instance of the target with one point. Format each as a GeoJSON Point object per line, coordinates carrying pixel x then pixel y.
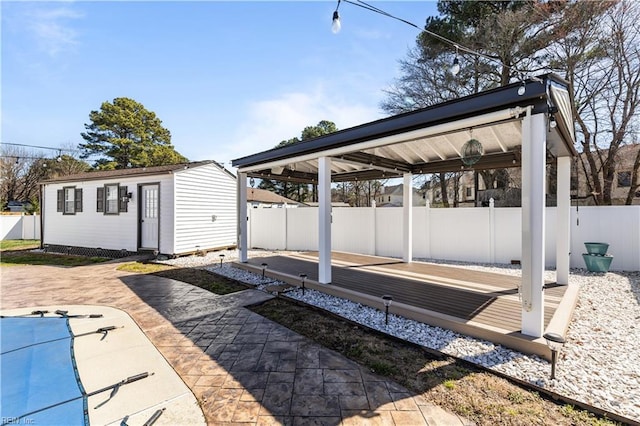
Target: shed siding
{"type": "Point", "coordinates": [202, 193]}
{"type": "Point", "coordinates": [167, 202]}
{"type": "Point", "coordinates": [91, 228]}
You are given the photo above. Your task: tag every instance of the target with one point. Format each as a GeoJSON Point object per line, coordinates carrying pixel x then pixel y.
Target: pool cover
{"type": "Point", "coordinates": [39, 378]}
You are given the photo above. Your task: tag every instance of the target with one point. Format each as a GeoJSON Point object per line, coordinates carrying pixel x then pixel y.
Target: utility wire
{"type": "Point", "coordinates": [36, 146]}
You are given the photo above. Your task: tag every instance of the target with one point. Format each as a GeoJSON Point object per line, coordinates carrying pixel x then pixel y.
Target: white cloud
{"type": "Point", "coordinates": [270, 121]}
{"type": "Point", "coordinates": [51, 29]}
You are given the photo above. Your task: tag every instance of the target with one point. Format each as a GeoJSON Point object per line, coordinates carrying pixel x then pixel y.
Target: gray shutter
{"type": "Point", "coordinates": [123, 201]}
{"type": "Point", "coordinates": [60, 200]}
{"type": "Point", "coordinates": [100, 199]}
{"type": "Point", "coordinates": [78, 200]}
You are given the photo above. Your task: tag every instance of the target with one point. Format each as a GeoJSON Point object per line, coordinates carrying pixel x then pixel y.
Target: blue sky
{"type": "Point", "coordinates": [228, 79]}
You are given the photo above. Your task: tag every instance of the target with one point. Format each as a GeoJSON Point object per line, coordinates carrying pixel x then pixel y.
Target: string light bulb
{"type": "Point", "coordinates": [455, 68]}
{"type": "Point", "coordinates": [335, 24]}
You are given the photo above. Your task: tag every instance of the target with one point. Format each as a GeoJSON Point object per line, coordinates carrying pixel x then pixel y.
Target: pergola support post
{"type": "Point", "coordinates": [407, 219]}
{"type": "Point", "coordinates": [563, 220]}
{"type": "Point", "coordinates": [324, 220]}
{"type": "Point", "coordinates": [242, 217]}
{"type": "Point", "coordinates": [533, 222]}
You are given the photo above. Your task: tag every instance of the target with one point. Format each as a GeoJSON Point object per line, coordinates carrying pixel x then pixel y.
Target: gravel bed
{"type": "Point", "coordinates": [599, 364]}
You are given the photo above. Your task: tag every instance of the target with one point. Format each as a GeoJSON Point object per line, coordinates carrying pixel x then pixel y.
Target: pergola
{"type": "Point", "coordinates": [523, 125]}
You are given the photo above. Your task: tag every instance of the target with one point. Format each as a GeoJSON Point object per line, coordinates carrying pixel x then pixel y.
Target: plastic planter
{"type": "Point", "coordinates": [597, 248]}
{"type": "Point", "coordinates": [597, 263]}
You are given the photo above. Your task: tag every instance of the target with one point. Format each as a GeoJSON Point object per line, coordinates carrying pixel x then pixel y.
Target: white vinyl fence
{"type": "Point", "coordinates": [488, 235]}
{"type": "Point", "coordinates": [23, 227]}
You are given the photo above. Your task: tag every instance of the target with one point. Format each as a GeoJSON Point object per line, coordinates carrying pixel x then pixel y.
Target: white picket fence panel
{"type": "Point", "coordinates": [488, 235]}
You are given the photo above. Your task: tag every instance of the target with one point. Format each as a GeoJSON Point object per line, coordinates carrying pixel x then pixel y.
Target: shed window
{"type": "Point", "coordinates": [69, 200]}
{"type": "Point", "coordinates": [111, 204]}
{"type": "Point", "coordinates": [112, 199]}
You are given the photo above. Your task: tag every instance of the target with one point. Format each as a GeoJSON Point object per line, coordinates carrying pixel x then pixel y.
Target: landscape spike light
{"type": "Point", "coordinates": [555, 343]}
{"type": "Point", "coordinates": [303, 278]}
{"type": "Point", "coordinates": [386, 299]}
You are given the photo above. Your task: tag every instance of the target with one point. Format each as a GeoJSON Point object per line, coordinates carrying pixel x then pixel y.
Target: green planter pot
{"type": "Point", "coordinates": [597, 263]}
{"type": "Point", "coordinates": [597, 248]}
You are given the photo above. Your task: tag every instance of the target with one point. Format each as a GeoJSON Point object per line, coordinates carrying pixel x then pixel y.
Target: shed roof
{"type": "Point", "coordinates": [430, 139]}
{"type": "Point", "coordinates": [137, 171]}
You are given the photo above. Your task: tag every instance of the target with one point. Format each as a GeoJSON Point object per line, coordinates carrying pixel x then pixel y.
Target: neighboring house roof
{"type": "Point", "coordinates": [397, 190]}
{"type": "Point", "coordinates": [268, 197]}
{"type": "Point", "coordinates": [138, 171]}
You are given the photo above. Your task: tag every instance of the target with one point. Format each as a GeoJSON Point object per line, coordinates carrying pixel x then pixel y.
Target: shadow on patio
{"type": "Point", "coordinates": [246, 368]}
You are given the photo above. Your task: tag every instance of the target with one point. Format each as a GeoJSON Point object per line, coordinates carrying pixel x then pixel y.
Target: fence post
{"type": "Point", "coordinates": [249, 227]}
{"type": "Point", "coordinates": [427, 227]}
{"type": "Point", "coordinates": [492, 231]}
{"type": "Point", "coordinates": [23, 225]}
{"type": "Point", "coordinates": [286, 227]}
{"type": "Point", "coordinates": [373, 231]}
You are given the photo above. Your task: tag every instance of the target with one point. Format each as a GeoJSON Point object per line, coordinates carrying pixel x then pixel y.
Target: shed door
{"type": "Point", "coordinates": [149, 217]}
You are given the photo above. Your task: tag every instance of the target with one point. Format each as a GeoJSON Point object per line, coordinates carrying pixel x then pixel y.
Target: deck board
{"type": "Point", "coordinates": [482, 297]}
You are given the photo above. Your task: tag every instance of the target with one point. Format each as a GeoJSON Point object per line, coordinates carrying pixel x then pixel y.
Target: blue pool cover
{"type": "Point", "coordinates": [39, 379]}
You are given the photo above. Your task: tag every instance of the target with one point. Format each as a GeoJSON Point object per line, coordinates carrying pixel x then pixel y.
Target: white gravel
{"type": "Point", "coordinates": [599, 364]}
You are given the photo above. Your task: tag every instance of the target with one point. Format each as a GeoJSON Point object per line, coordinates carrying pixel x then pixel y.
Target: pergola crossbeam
{"type": "Point", "coordinates": [376, 162]}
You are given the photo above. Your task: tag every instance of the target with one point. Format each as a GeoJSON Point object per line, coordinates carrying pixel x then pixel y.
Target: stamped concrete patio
{"type": "Point", "coordinates": [242, 368]}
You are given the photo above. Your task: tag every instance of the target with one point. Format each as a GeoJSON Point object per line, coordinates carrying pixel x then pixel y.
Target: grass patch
{"type": "Point", "coordinates": [204, 279]}
{"type": "Point", "coordinates": [18, 258]}
{"type": "Point", "coordinates": [449, 384]}
{"type": "Point", "coordinates": [9, 245]}
{"type": "Point", "coordinates": [199, 277]}
{"type": "Point", "coordinates": [383, 368]}
{"type": "Point", "coordinates": [143, 267]}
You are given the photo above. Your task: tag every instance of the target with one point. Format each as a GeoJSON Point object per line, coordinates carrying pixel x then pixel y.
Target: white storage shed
{"type": "Point", "coordinates": [173, 210]}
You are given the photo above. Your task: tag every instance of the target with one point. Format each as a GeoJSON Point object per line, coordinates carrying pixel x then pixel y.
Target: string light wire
{"type": "Point", "coordinates": [458, 46]}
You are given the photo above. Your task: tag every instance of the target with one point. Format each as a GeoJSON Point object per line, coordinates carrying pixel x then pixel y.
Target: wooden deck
{"type": "Point", "coordinates": [479, 304]}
